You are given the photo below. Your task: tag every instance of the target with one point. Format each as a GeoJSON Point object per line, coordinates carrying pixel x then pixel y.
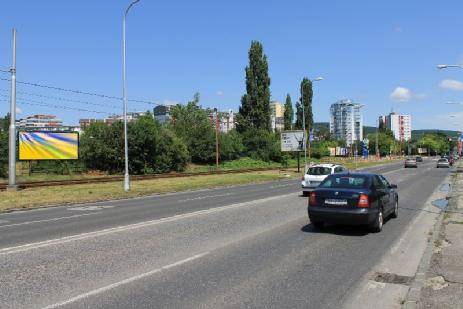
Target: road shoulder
{"type": "Point", "coordinates": [390, 280]}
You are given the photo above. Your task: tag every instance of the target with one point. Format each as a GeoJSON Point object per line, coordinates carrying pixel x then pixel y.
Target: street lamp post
{"type": "Point", "coordinates": [124, 96]}
{"type": "Point", "coordinates": [303, 122]}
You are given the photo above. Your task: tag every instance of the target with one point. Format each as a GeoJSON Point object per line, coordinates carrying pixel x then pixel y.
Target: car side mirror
{"type": "Point", "coordinates": [393, 186]}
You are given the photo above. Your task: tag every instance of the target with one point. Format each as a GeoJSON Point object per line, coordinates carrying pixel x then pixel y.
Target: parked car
{"type": "Point", "coordinates": [316, 174]}
{"type": "Point", "coordinates": [419, 159]}
{"type": "Point", "coordinates": [443, 163]}
{"type": "Point", "coordinates": [354, 199]}
{"type": "Point", "coordinates": [410, 162]}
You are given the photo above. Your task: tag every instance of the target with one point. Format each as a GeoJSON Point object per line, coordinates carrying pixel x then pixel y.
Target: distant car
{"type": "Point", "coordinates": [443, 163]}
{"type": "Point", "coordinates": [353, 199]}
{"type": "Point", "coordinates": [419, 159]}
{"type": "Point", "coordinates": [316, 174]}
{"type": "Point", "coordinates": [410, 162]}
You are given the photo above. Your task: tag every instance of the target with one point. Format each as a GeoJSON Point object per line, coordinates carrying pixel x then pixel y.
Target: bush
{"type": "Point", "coordinates": [152, 148]}
{"type": "Point", "coordinates": [263, 145]}
{"type": "Point", "coordinates": [231, 145]}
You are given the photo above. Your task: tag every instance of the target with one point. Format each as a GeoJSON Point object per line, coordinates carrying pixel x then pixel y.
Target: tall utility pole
{"type": "Point", "coordinates": [124, 96]}
{"type": "Point", "coordinates": [12, 128]}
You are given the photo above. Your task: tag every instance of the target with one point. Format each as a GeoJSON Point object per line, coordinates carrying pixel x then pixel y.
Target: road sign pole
{"type": "Point", "coordinates": [12, 128]}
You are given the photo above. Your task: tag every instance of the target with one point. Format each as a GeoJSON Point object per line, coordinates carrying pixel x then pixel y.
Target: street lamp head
{"type": "Point", "coordinates": [317, 79]}
{"type": "Point", "coordinates": [442, 66]}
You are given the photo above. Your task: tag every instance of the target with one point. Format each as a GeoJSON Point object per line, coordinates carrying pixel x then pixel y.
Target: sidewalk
{"type": "Point", "coordinates": [443, 285]}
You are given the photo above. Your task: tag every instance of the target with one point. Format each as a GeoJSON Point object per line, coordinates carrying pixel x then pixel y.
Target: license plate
{"type": "Point", "coordinates": [338, 202]}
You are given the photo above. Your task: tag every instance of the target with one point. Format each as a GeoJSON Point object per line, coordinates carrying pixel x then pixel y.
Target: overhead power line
{"type": "Point", "coordinates": [80, 92]}
{"type": "Point", "coordinates": [22, 102]}
{"type": "Point", "coordinates": [4, 71]}
{"type": "Point", "coordinates": [63, 99]}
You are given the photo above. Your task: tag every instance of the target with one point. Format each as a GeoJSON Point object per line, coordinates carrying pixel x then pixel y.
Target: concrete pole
{"type": "Point", "coordinates": [12, 128]}
{"type": "Point", "coordinates": [124, 96]}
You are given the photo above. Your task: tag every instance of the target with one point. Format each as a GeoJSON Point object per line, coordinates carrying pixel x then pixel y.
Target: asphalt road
{"type": "Point", "coordinates": [238, 247]}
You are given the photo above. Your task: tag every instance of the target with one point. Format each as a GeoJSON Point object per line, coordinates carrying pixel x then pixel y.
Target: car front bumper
{"type": "Point", "coordinates": [356, 216]}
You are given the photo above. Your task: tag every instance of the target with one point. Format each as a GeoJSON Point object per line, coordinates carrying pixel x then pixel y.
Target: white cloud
{"type": "Point", "coordinates": [443, 121]}
{"type": "Point", "coordinates": [219, 93]}
{"type": "Point", "coordinates": [398, 29]}
{"type": "Point", "coordinates": [401, 94]}
{"type": "Point", "coordinates": [451, 84]}
{"type": "Point", "coordinates": [18, 110]}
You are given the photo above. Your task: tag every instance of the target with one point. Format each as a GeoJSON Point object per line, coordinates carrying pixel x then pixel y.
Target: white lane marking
{"type": "Point", "coordinates": [48, 220]}
{"type": "Point", "coordinates": [281, 186]}
{"type": "Point", "coordinates": [89, 208]}
{"type": "Point", "coordinates": [125, 281]}
{"type": "Point", "coordinates": [4, 221]}
{"type": "Point", "coordinates": [58, 241]}
{"type": "Point", "coordinates": [203, 197]}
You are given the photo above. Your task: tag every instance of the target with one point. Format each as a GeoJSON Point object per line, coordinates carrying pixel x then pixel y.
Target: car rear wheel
{"type": "Point", "coordinates": [318, 225]}
{"type": "Point", "coordinates": [304, 193]}
{"type": "Point", "coordinates": [395, 214]}
{"type": "Point", "coordinates": [379, 221]}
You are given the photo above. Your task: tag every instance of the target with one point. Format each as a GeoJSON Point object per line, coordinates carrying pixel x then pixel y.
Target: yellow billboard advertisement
{"type": "Point", "coordinates": [48, 146]}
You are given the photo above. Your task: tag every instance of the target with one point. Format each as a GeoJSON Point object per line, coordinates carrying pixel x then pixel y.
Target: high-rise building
{"type": "Point", "coordinates": [277, 114]}
{"type": "Point", "coordinates": [400, 125]}
{"type": "Point", "coordinates": [346, 121]}
{"type": "Point", "coordinates": [131, 116]}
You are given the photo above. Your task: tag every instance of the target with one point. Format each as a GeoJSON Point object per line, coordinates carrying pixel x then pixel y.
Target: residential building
{"type": "Point", "coordinates": [227, 121]}
{"type": "Point", "coordinates": [39, 122]}
{"type": "Point", "coordinates": [85, 122]}
{"type": "Point", "coordinates": [277, 113]}
{"type": "Point", "coordinates": [400, 125]}
{"type": "Point", "coordinates": [42, 122]}
{"type": "Point", "coordinates": [162, 113]}
{"type": "Point", "coordinates": [346, 121]}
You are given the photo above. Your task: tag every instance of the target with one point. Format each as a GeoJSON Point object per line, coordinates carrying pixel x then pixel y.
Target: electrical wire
{"type": "Point", "coordinates": [22, 102]}
{"type": "Point", "coordinates": [63, 99]}
{"type": "Point", "coordinates": [80, 92]}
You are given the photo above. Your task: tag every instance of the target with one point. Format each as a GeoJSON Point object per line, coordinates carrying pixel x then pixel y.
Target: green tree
{"type": "Point", "coordinates": [262, 145]}
{"type": "Point", "coordinates": [306, 101]}
{"type": "Point", "coordinates": [4, 124]}
{"type": "Point", "coordinates": [254, 112]}
{"type": "Point", "coordinates": [194, 126]}
{"type": "Point", "coordinates": [289, 114]}
{"type": "Point", "coordinates": [231, 145]}
{"type": "Point", "coordinates": [152, 148]}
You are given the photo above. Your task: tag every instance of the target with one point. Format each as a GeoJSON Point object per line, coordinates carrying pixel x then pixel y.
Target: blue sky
{"type": "Point", "coordinates": [364, 50]}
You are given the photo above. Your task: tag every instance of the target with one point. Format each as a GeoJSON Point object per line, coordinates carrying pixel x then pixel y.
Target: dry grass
{"type": "Point", "coordinates": [43, 196]}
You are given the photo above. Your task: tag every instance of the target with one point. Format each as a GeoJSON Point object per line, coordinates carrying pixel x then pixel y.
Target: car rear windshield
{"type": "Point", "coordinates": [442, 160]}
{"type": "Point", "coordinates": [345, 181]}
{"type": "Point", "coordinates": [319, 170]}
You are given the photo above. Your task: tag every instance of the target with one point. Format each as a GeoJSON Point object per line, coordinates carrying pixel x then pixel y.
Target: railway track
{"type": "Point", "coordinates": [33, 184]}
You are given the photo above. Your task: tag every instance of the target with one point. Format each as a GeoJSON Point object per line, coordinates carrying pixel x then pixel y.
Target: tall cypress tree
{"type": "Point", "coordinates": [306, 99]}
{"type": "Point", "coordinates": [289, 114]}
{"type": "Point", "coordinates": [254, 112]}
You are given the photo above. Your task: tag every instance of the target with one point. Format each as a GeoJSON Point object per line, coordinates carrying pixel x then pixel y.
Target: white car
{"type": "Point", "coordinates": [315, 174]}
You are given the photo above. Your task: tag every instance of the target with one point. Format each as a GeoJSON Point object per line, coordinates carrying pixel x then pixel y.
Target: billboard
{"type": "Point", "coordinates": [48, 146]}
{"type": "Point", "coordinates": [292, 141]}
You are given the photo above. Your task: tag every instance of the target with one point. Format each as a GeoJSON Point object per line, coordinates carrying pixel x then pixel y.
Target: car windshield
{"type": "Point", "coordinates": [319, 170]}
{"type": "Point", "coordinates": [345, 181]}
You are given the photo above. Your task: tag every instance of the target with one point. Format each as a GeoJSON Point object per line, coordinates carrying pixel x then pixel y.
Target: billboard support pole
{"type": "Point", "coordinates": [12, 128]}
{"type": "Point", "coordinates": [298, 162]}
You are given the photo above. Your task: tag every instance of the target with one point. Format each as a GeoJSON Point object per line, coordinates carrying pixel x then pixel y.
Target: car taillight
{"type": "Point", "coordinates": [363, 201]}
{"type": "Point", "coordinates": [312, 199]}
